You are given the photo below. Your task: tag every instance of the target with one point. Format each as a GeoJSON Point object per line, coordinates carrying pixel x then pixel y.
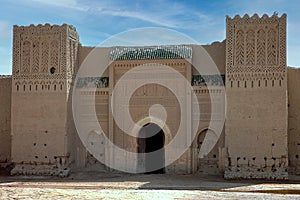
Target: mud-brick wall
{"type": "Point", "coordinates": [294, 120]}
{"type": "Point", "coordinates": [5, 106]}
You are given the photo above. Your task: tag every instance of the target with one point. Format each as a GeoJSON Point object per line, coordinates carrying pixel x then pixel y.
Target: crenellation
{"type": "Point", "coordinates": [264, 19]}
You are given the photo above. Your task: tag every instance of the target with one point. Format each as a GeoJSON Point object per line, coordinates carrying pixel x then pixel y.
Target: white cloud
{"type": "Point", "coordinates": [148, 36]}
{"type": "Point", "coordinates": [142, 16]}
{"type": "Point", "coordinates": [63, 3]}
{"type": "Point", "coordinates": [5, 30]}
{"type": "Point", "coordinates": [167, 18]}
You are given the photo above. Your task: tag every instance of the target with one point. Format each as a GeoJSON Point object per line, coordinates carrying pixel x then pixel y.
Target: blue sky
{"type": "Point", "coordinates": [202, 20]}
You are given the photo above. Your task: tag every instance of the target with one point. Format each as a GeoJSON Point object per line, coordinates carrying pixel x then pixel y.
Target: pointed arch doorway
{"type": "Point", "coordinates": [151, 138]}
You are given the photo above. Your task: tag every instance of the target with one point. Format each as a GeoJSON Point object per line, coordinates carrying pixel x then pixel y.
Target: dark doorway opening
{"type": "Point", "coordinates": [152, 138]}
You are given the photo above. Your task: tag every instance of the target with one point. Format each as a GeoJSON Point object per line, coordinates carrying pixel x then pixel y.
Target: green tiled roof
{"type": "Point", "coordinates": [92, 82]}
{"type": "Point", "coordinates": [210, 80]}
{"type": "Point", "coordinates": [160, 52]}
{"type": "Point", "coordinates": [5, 76]}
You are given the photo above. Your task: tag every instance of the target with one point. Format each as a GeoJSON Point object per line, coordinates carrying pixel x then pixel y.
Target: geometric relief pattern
{"type": "Point", "coordinates": [255, 76]}
{"type": "Point", "coordinates": [39, 76]}
{"type": "Point", "coordinates": [63, 61]}
{"type": "Point", "coordinates": [54, 54]}
{"type": "Point", "coordinates": [266, 47]}
{"type": "Point", "coordinates": [240, 48]}
{"type": "Point", "coordinates": [26, 57]}
{"type": "Point", "coordinates": [45, 56]}
{"type": "Point", "coordinates": [256, 48]}
{"type": "Point", "coordinates": [271, 50]}
{"type": "Point", "coordinates": [35, 56]}
{"type": "Point", "coordinates": [29, 85]}
{"type": "Point", "coordinates": [36, 49]}
{"type": "Point", "coordinates": [282, 41]}
{"type": "Point", "coordinates": [16, 54]}
{"type": "Point", "coordinates": [250, 47]}
{"type": "Point", "coordinates": [261, 47]}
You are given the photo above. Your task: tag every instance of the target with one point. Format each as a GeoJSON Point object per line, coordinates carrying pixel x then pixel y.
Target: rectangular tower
{"type": "Point", "coordinates": [256, 87]}
{"type": "Point", "coordinates": [44, 59]}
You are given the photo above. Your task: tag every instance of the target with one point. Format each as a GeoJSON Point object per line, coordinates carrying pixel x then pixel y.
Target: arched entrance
{"type": "Point", "coordinates": [209, 164]}
{"type": "Point", "coordinates": [151, 138]}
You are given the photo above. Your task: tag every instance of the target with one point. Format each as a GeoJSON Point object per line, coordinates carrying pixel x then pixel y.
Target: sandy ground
{"type": "Point", "coordinates": [95, 185]}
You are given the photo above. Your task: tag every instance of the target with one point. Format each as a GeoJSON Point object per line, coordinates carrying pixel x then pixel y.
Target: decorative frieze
{"type": "Point", "coordinates": [92, 82]}
{"type": "Point", "coordinates": [197, 80]}
{"type": "Point", "coordinates": [38, 85]}
{"type": "Point", "coordinates": [208, 80]}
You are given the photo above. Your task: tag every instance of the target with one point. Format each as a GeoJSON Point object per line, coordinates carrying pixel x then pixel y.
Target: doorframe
{"type": "Point", "coordinates": [164, 127]}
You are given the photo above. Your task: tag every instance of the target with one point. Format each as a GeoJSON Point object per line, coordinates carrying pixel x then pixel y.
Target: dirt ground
{"type": "Point", "coordinates": [96, 185]}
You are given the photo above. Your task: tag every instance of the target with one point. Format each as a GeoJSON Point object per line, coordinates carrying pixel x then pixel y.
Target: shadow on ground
{"type": "Point", "coordinates": [122, 181]}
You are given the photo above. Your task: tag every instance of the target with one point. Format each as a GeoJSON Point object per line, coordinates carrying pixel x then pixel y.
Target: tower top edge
{"type": "Point", "coordinates": [43, 26]}
{"type": "Point", "coordinates": [255, 16]}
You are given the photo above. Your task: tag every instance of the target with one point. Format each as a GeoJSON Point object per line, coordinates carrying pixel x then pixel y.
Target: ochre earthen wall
{"type": "Point", "coordinates": [261, 138]}
{"type": "Point", "coordinates": [5, 117]}
{"type": "Point", "coordinates": [256, 135]}
{"type": "Point", "coordinates": [44, 61]}
{"type": "Point", "coordinates": [293, 120]}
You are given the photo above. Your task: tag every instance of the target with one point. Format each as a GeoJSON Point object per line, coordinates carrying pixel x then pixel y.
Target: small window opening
{"type": "Point", "coordinates": [52, 70]}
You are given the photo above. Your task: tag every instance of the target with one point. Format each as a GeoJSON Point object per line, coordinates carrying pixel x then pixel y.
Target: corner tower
{"type": "Point", "coordinates": [44, 60]}
{"type": "Point", "coordinates": [256, 88]}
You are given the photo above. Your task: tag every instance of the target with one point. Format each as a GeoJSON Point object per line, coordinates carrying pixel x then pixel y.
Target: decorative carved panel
{"type": "Point", "coordinates": [37, 49]}
{"type": "Point", "coordinates": [256, 48]}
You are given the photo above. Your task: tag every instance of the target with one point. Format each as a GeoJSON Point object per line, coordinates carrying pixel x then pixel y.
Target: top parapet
{"type": "Point", "coordinates": [45, 26]}
{"type": "Point", "coordinates": [256, 18]}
